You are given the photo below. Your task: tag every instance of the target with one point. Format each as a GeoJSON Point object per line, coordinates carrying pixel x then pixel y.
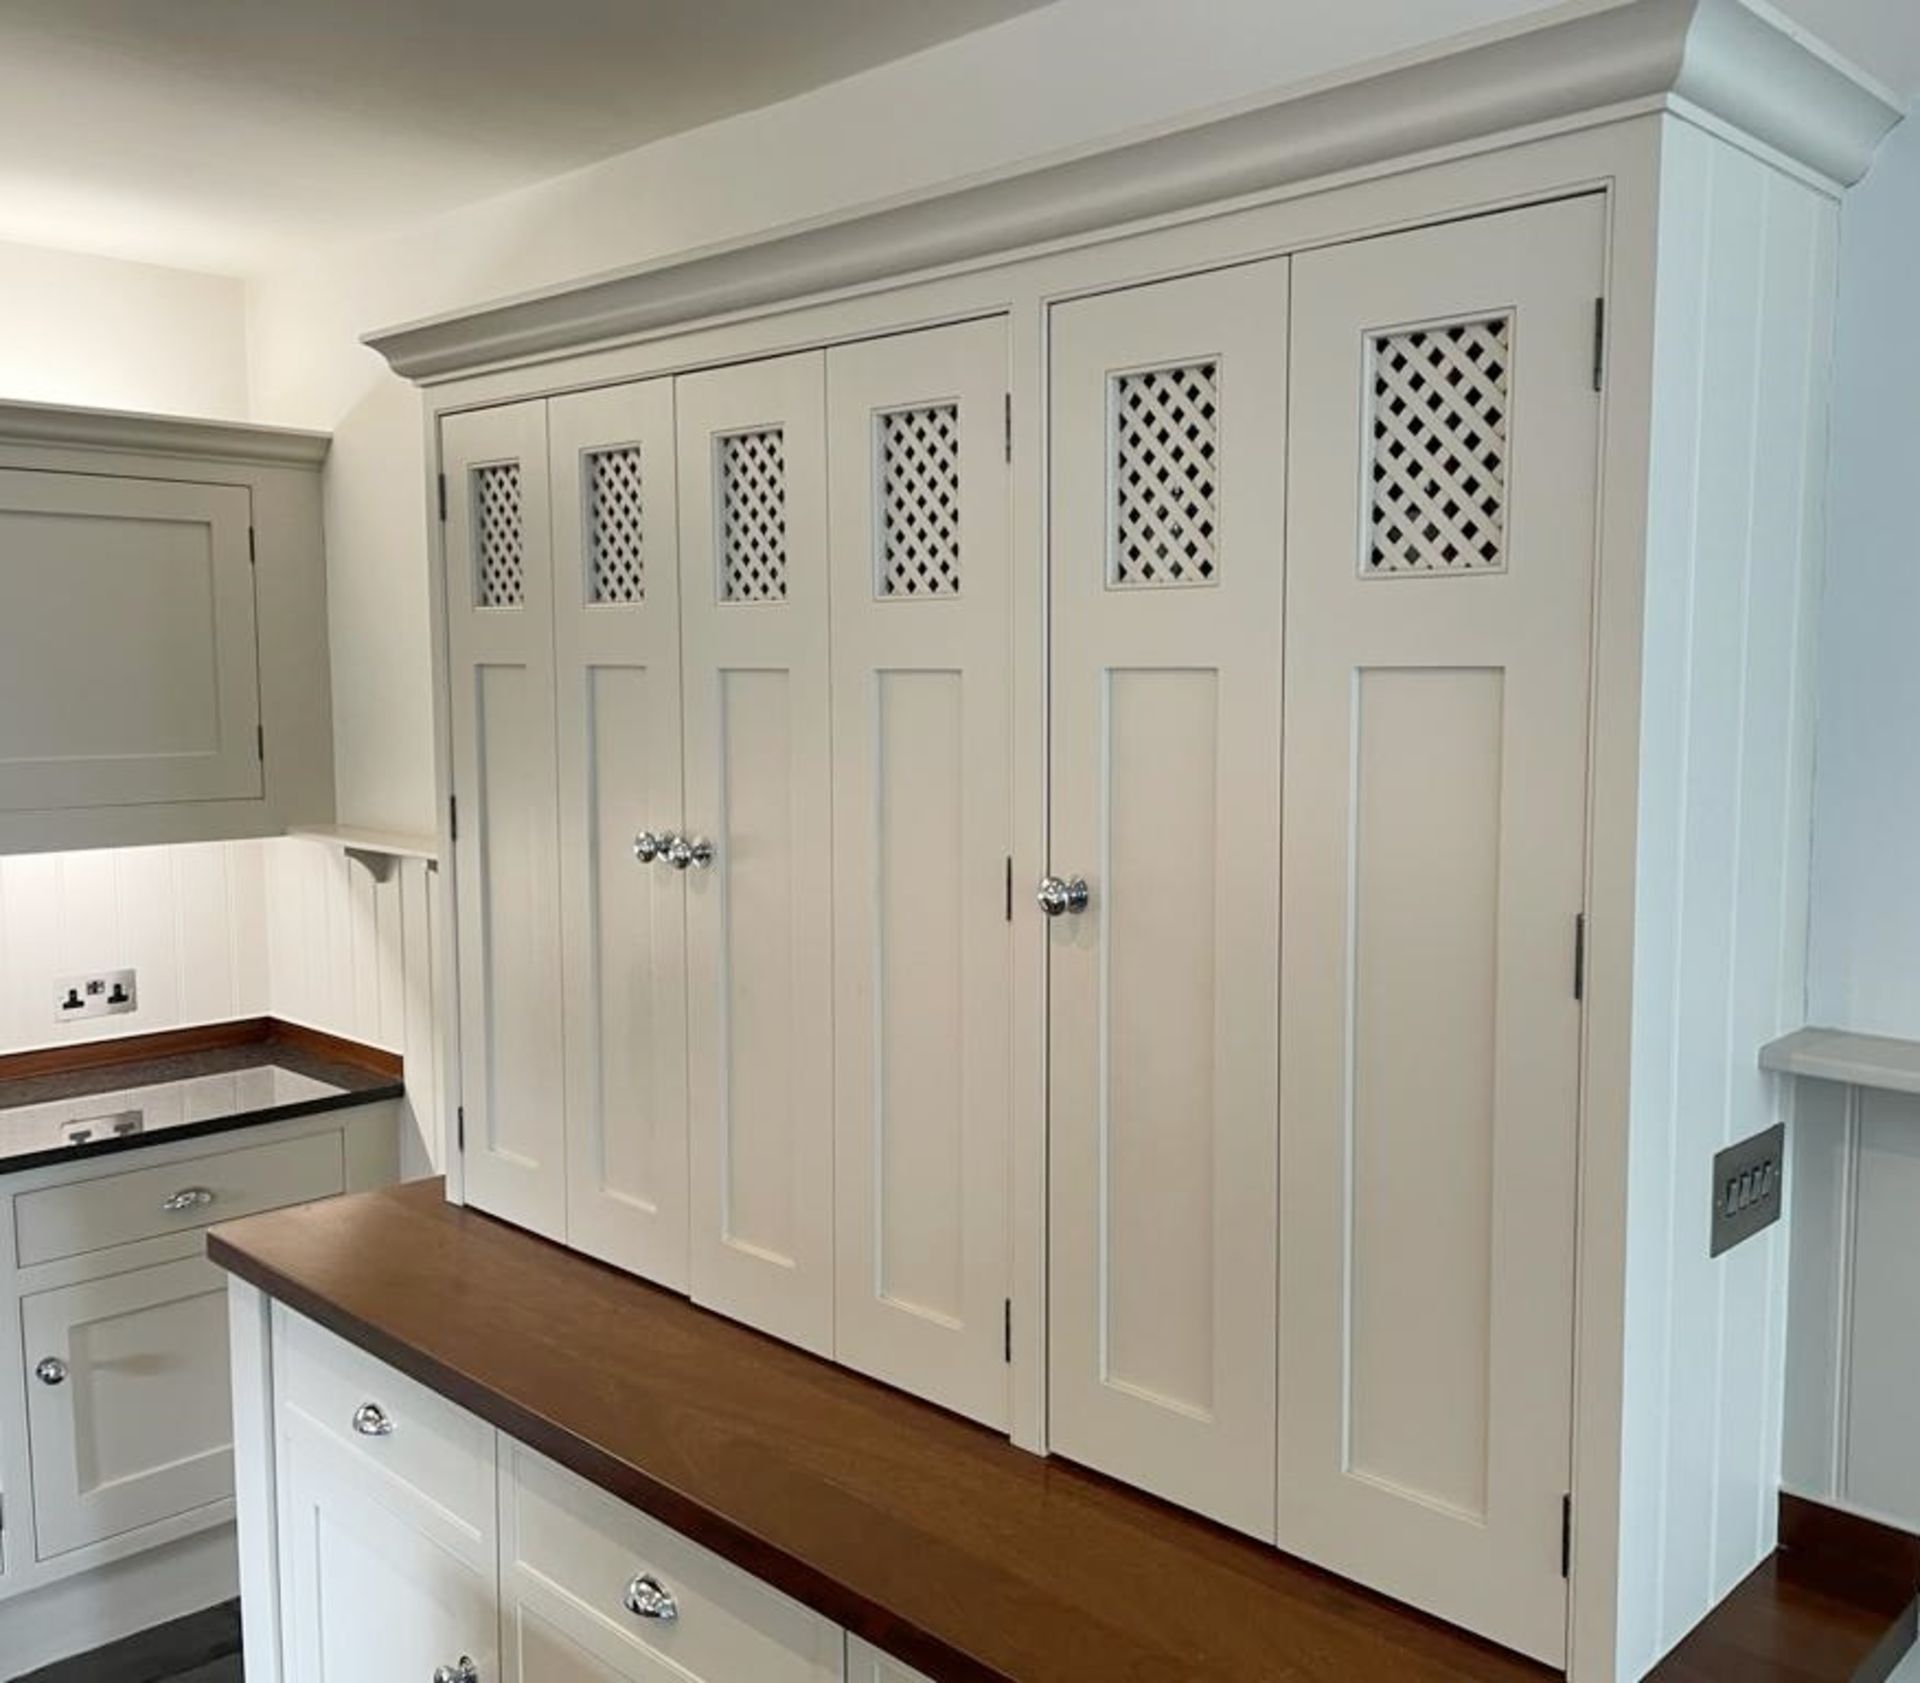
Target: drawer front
{"type": "Point", "coordinates": [96, 1215]}
{"type": "Point", "coordinates": [385, 1422]}
{"type": "Point", "coordinates": [572, 1555]}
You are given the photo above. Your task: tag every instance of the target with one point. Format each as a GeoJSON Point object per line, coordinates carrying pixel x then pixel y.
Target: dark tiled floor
{"type": "Point", "coordinates": [201, 1648]}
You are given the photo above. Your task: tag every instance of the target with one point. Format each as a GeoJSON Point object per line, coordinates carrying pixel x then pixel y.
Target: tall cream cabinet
{"type": "Point", "coordinates": [1165, 800]}
{"type": "Point", "coordinates": [163, 647]}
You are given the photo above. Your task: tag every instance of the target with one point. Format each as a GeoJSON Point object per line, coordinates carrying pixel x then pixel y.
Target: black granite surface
{"type": "Point", "coordinates": [123, 1106]}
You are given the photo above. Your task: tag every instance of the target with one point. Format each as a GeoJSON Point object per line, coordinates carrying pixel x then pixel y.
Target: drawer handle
{"type": "Point", "coordinates": [464, 1672]}
{"type": "Point", "coordinates": [52, 1371]}
{"type": "Point", "coordinates": [370, 1420]}
{"type": "Point", "coordinates": [648, 1598]}
{"type": "Point", "coordinates": [188, 1198]}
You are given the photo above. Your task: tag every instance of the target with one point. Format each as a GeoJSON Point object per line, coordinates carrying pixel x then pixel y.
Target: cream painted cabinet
{"type": "Point", "coordinates": [127, 1402]}
{"type": "Point", "coordinates": [866, 1664]}
{"type": "Point", "coordinates": [1168, 448]}
{"type": "Point", "coordinates": [163, 651]}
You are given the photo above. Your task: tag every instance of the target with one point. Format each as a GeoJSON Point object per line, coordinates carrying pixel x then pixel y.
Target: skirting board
{"type": "Point", "coordinates": [91, 1609]}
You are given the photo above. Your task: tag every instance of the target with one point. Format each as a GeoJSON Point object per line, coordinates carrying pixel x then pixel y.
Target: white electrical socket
{"type": "Point", "coordinates": [108, 993]}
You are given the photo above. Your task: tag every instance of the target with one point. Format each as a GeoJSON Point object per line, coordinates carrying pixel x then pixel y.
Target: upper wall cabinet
{"type": "Point", "coordinates": [163, 658]}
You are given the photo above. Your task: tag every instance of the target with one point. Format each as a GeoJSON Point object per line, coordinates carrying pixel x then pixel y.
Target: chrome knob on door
{"type": "Point", "coordinates": [188, 1198]}
{"type": "Point", "coordinates": [370, 1420]}
{"type": "Point", "coordinates": [1058, 895]}
{"type": "Point", "coordinates": [648, 847]}
{"type": "Point", "coordinates": [52, 1371]}
{"type": "Point", "coordinates": [465, 1672]}
{"type": "Point", "coordinates": [648, 1598]}
{"type": "Point", "coordinates": [687, 852]}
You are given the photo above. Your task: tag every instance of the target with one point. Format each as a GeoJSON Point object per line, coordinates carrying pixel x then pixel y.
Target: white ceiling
{"type": "Point", "coordinates": [220, 134]}
{"type": "Point", "coordinates": [225, 134]}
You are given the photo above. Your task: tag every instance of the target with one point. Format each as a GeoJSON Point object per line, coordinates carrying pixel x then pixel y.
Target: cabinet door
{"type": "Point", "coordinates": [1440, 575]}
{"type": "Point", "coordinates": [500, 670]}
{"type": "Point", "coordinates": [378, 1586]}
{"type": "Point", "coordinates": [129, 1419]}
{"type": "Point", "coordinates": [753, 604]}
{"type": "Point", "coordinates": [922, 827]}
{"type": "Point", "coordinates": [1168, 472]}
{"type": "Point", "coordinates": [129, 668]}
{"type": "Point", "coordinates": [616, 611]}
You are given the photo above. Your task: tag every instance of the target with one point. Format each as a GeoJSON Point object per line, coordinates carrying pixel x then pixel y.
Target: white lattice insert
{"type": "Point", "coordinates": [1166, 476]}
{"type": "Point", "coordinates": [753, 517]}
{"type": "Point", "coordinates": [499, 543]}
{"type": "Point", "coordinates": [1442, 399]}
{"type": "Point", "coordinates": [920, 501]}
{"type": "Point", "coordinates": [616, 564]}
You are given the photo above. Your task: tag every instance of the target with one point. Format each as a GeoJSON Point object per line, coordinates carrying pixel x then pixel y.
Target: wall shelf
{"type": "Point", "coordinates": [374, 850]}
{"type": "Point", "coordinates": [1860, 1060]}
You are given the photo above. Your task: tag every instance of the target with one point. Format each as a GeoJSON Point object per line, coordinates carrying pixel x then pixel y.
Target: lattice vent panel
{"type": "Point", "coordinates": [499, 540]}
{"type": "Point", "coordinates": [616, 559]}
{"type": "Point", "coordinates": [920, 501]}
{"type": "Point", "coordinates": [753, 517]}
{"type": "Point", "coordinates": [1442, 401]}
{"type": "Point", "coordinates": [1166, 477]}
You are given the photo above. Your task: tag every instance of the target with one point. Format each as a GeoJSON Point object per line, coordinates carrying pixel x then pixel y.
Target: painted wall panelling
{"type": "Point", "coordinates": [501, 654]}
{"type": "Point", "coordinates": [1168, 419]}
{"type": "Point", "coordinates": [754, 642]}
{"type": "Point", "coordinates": [1734, 539]}
{"type": "Point", "coordinates": [922, 785]}
{"type": "Point", "coordinates": [1437, 692]}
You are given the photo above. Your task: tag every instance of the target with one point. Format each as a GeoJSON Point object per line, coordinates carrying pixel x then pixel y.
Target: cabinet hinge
{"type": "Point", "coordinates": [460, 1127]}
{"type": "Point", "coordinates": [1006, 1330]}
{"type": "Point", "coordinates": [453, 818]}
{"type": "Point", "coordinates": [1009, 425]}
{"type": "Point", "coordinates": [1580, 955]}
{"type": "Point", "coordinates": [253, 548]}
{"type": "Point", "coordinates": [1566, 1535]}
{"type": "Point", "coordinates": [1009, 888]}
{"type": "Point", "coordinates": [1599, 344]}
{"type": "Point", "coordinates": [260, 742]}
{"type": "Point", "coordinates": [443, 496]}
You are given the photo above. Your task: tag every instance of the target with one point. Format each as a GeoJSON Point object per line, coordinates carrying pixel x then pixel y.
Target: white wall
{"type": "Point", "coordinates": [113, 335]}
{"type": "Point", "coordinates": [1064, 76]}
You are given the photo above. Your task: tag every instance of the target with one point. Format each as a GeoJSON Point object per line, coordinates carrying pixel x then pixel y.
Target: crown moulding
{"type": "Point", "coordinates": [1729, 59]}
{"type": "Point", "coordinates": [43, 424]}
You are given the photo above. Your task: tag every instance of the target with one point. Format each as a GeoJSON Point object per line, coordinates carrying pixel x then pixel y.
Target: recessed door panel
{"type": "Point", "coordinates": [922, 826]}
{"type": "Point", "coordinates": [617, 672]}
{"type": "Point", "coordinates": [759, 887]}
{"type": "Point", "coordinates": [1440, 572]}
{"type": "Point", "coordinates": [501, 671]}
{"type": "Point", "coordinates": [1168, 467]}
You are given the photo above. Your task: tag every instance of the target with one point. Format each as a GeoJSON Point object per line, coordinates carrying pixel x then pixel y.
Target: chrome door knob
{"type": "Point", "coordinates": [188, 1198]}
{"type": "Point", "coordinates": [694, 852]}
{"type": "Point", "coordinates": [648, 847]}
{"type": "Point", "coordinates": [52, 1371]}
{"type": "Point", "coordinates": [464, 1672]}
{"type": "Point", "coordinates": [648, 1598]}
{"type": "Point", "coordinates": [1058, 895]}
{"type": "Point", "coordinates": [370, 1420]}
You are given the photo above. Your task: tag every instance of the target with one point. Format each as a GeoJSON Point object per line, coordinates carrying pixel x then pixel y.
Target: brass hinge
{"type": "Point", "coordinates": [1009, 888]}
{"type": "Point", "coordinates": [1580, 955]}
{"type": "Point", "coordinates": [1006, 1330]}
{"type": "Point", "coordinates": [1009, 425]}
{"type": "Point", "coordinates": [1566, 1535]}
{"type": "Point", "coordinates": [1599, 344]}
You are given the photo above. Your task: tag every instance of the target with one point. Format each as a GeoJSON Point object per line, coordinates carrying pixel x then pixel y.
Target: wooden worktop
{"type": "Point", "coordinates": [932, 1538]}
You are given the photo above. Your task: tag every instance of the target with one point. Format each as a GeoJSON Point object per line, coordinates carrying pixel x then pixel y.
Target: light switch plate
{"type": "Point", "coordinates": [1747, 1180]}
{"type": "Point", "coordinates": [106, 993]}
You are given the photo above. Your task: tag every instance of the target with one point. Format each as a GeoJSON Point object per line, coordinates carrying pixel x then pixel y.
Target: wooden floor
{"type": "Point", "coordinates": [201, 1648]}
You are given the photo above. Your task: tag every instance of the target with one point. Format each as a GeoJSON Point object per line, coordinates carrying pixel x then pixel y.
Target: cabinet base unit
{"type": "Point", "coordinates": [1163, 800]}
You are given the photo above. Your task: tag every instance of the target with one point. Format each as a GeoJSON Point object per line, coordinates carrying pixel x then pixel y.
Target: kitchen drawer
{"type": "Point", "coordinates": [95, 1215]}
{"type": "Point", "coordinates": [571, 1553]}
{"type": "Point", "coordinates": [382, 1419]}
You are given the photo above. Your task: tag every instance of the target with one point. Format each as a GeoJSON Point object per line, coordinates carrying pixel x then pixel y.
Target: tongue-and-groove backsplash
{"type": "Point", "coordinates": [286, 927]}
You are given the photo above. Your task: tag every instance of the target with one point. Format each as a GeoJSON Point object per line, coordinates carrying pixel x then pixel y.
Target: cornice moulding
{"type": "Point", "coordinates": [44, 424]}
{"type": "Point", "coordinates": [1729, 59]}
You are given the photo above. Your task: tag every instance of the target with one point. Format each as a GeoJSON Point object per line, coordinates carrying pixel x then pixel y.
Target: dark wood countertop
{"type": "Point", "coordinates": [930, 1537]}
